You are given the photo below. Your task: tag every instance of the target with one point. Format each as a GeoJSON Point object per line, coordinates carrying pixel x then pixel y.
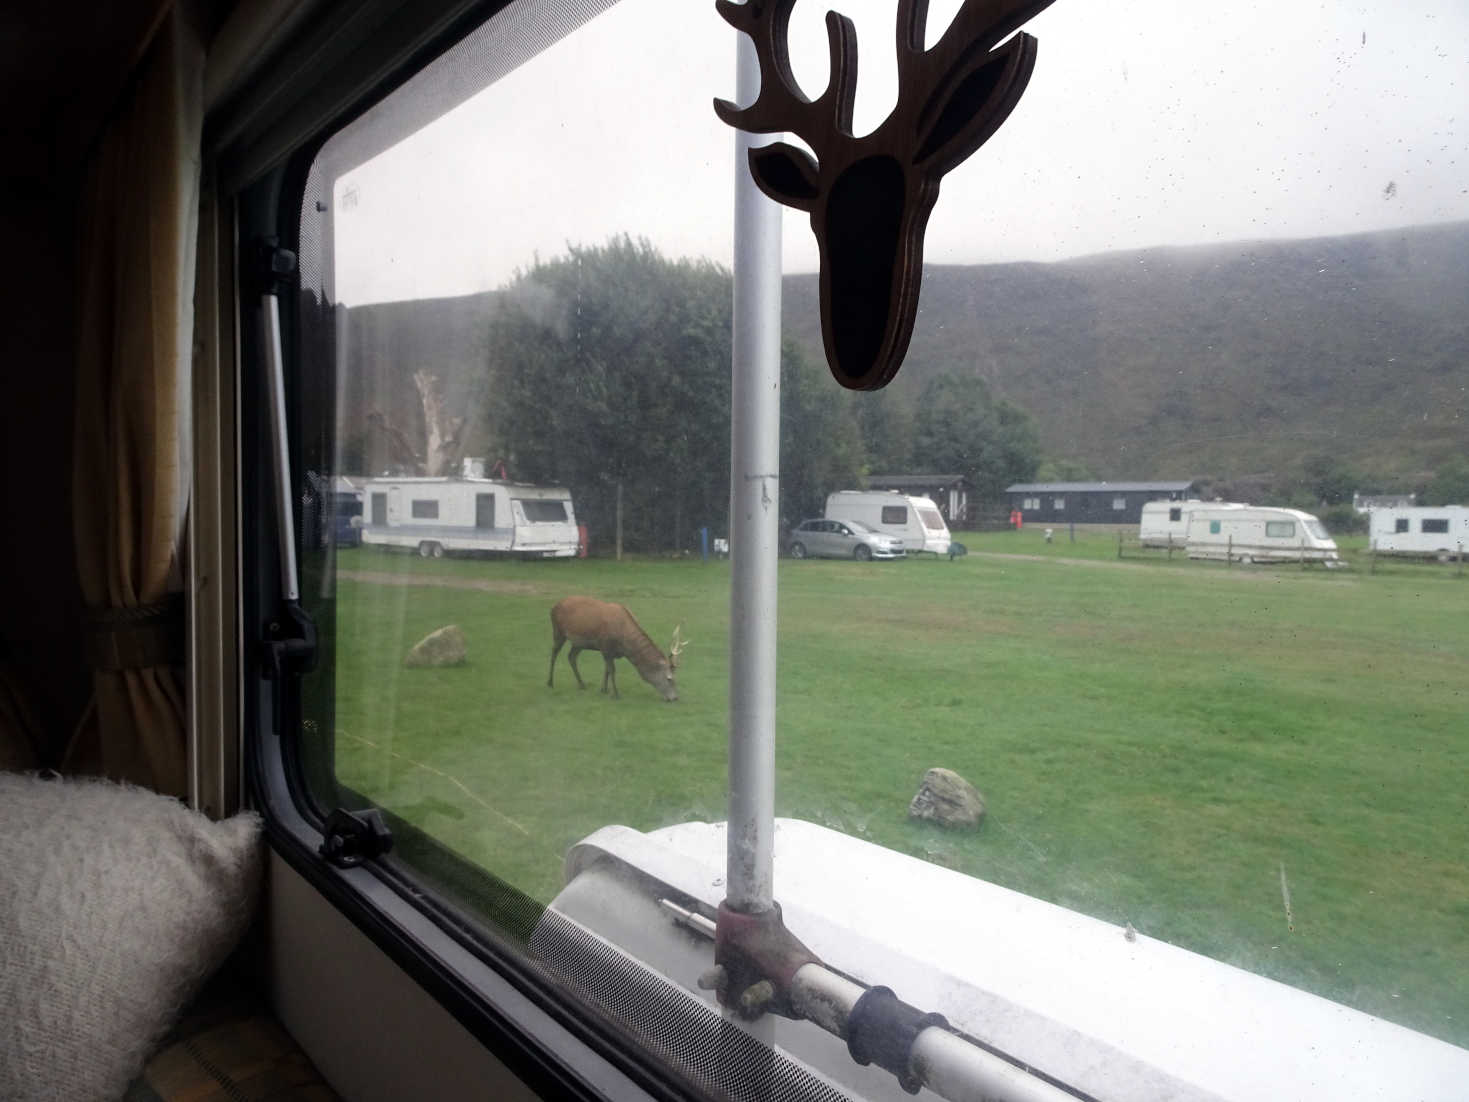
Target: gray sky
{"type": "Point", "coordinates": [1182, 123]}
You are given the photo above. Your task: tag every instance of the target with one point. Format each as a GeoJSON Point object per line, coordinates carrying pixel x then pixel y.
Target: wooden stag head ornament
{"type": "Point", "coordinates": [869, 198]}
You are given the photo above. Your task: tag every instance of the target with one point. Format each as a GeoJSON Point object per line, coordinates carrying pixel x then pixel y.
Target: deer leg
{"type": "Point", "coordinates": [571, 657]}
{"type": "Point", "coordinates": [555, 650]}
{"type": "Point", "coordinates": [609, 675]}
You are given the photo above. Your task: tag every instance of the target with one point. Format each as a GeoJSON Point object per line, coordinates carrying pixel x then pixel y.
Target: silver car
{"type": "Point", "coordinates": [843, 539]}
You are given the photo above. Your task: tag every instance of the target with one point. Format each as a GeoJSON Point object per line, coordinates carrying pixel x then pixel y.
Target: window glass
{"type": "Point", "coordinates": [537, 276]}
{"type": "Point", "coordinates": [931, 519]}
{"type": "Point", "coordinates": [1280, 529]}
{"type": "Point", "coordinates": [1435, 524]}
{"type": "Point", "coordinates": [542, 512]}
{"type": "Point", "coordinates": [1400, 524]}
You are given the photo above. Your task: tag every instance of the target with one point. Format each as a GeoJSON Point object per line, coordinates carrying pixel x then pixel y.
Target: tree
{"type": "Point", "coordinates": [1064, 470]}
{"type": "Point", "coordinates": [1329, 480]}
{"type": "Point", "coordinates": [820, 439]}
{"type": "Point", "coordinates": [1449, 485]}
{"type": "Point", "coordinates": [885, 420]}
{"type": "Point", "coordinates": [611, 368]}
{"type": "Point", "coordinates": [959, 428]}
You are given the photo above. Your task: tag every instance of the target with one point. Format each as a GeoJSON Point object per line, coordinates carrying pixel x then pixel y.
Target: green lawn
{"type": "Point", "coordinates": [1154, 740]}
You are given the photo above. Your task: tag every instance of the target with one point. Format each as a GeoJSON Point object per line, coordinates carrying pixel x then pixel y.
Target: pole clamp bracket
{"type": "Point", "coordinates": [757, 958]}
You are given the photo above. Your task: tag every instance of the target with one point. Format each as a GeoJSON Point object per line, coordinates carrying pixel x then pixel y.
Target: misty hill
{"type": "Point", "coordinates": [1216, 360]}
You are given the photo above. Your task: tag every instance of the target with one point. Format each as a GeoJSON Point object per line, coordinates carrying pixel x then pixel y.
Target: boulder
{"type": "Point", "coordinates": [947, 799]}
{"type": "Point", "coordinates": [445, 647]}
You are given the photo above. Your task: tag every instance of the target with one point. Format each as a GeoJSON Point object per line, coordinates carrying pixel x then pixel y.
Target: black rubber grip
{"type": "Point", "coordinates": [881, 1029]}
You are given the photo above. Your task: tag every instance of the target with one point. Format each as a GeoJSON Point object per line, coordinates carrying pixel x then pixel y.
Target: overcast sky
{"type": "Point", "coordinates": [1148, 122]}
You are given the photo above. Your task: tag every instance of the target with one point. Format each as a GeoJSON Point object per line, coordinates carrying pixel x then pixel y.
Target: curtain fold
{"type": "Point", "coordinates": [132, 448]}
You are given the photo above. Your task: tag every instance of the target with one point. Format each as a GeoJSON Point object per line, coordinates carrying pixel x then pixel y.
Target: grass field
{"type": "Point", "coordinates": [1156, 741]}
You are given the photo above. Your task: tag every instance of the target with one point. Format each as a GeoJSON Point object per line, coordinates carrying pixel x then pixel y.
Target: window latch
{"type": "Point", "coordinates": [352, 837]}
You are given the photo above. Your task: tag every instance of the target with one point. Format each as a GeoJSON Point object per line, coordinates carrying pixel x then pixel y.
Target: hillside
{"type": "Point", "coordinates": [1223, 360]}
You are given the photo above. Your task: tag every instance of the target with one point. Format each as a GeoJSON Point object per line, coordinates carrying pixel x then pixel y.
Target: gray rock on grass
{"type": "Point", "coordinates": [948, 799]}
{"type": "Point", "coordinates": [445, 647]}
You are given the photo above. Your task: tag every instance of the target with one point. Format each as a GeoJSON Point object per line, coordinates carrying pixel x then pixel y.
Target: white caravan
{"type": "Point", "coordinates": [435, 515]}
{"type": "Point", "coordinates": [1441, 531]}
{"type": "Point", "coordinates": [1251, 534]}
{"type": "Point", "coordinates": [1165, 523]}
{"type": "Point", "coordinates": [916, 519]}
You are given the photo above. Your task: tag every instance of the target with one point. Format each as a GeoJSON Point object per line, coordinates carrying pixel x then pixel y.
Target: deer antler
{"type": "Point", "coordinates": [679, 643]}
{"type": "Point", "coordinates": [781, 105]}
{"type": "Point", "coordinates": [870, 198]}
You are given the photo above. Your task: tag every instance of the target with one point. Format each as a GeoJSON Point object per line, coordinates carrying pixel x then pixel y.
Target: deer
{"type": "Point", "coordinates": [590, 624]}
{"type": "Point", "coordinates": [870, 198]}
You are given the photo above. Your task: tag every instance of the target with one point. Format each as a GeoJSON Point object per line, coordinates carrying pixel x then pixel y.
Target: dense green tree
{"type": "Point", "coordinates": [1329, 480]}
{"type": "Point", "coordinates": [960, 428]}
{"type": "Point", "coordinates": [885, 420]}
{"type": "Point", "coordinates": [1064, 470]}
{"type": "Point", "coordinates": [1449, 485]}
{"type": "Point", "coordinates": [820, 438]}
{"type": "Point", "coordinates": [611, 367]}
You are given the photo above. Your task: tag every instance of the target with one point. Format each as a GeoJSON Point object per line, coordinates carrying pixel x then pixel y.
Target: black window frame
{"type": "Point", "coordinates": [558, 1048]}
{"type": "Point", "coordinates": [1440, 526]}
{"type": "Point", "coordinates": [424, 508]}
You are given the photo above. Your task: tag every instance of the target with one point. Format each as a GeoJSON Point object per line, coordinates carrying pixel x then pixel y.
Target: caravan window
{"type": "Point", "coordinates": [541, 512]}
{"type": "Point", "coordinates": [524, 254]}
{"type": "Point", "coordinates": [1435, 525]}
{"type": "Point", "coordinates": [1118, 504]}
{"type": "Point", "coordinates": [1280, 529]}
{"type": "Point", "coordinates": [931, 519]}
{"type": "Point", "coordinates": [1401, 524]}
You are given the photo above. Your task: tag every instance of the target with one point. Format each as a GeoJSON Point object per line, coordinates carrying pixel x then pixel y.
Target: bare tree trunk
{"type": "Point", "coordinates": [443, 432]}
{"type": "Point", "coordinates": [619, 521]}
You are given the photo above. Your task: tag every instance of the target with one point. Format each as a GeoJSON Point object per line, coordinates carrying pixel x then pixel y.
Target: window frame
{"type": "Point", "coordinates": [556, 1047]}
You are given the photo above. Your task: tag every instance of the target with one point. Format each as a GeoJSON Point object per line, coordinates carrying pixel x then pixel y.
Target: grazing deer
{"type": "Point", "coordinates": [596, 625]}
{"type": "Point", "coordinates": [869, 198]}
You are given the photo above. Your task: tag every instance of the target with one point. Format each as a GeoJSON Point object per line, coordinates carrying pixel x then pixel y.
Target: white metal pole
{"type": "Point", "coordinates": [754, 520]}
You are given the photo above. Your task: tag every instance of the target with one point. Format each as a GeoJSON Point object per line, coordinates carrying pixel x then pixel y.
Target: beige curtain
{"type": "Point", "coordinates": [132, 454]}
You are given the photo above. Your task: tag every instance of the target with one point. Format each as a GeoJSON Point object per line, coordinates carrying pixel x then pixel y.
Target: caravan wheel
{"type": "Point", "coordinates": [428, 549]}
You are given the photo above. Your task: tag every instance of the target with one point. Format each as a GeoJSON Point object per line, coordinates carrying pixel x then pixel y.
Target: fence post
{"type": "Point", "coordinates": [1119, 543]}
{"type": "Point", "coordinates": [1303, 554]}
{"type": "Point", "coordinates": [1372, 558]}
{"type": "Point", "coordinates": [1073, 531]}
{"type": "Point", "coordinates": [1170, 546]}
{"type": "Point", "coordinates": [1459, 572]}
{"type": "Point", "coordinates": [1229, 551]}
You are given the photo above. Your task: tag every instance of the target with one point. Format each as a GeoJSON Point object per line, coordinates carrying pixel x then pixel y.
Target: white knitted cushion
{"type": "Point", "coordinates": [116, 904]}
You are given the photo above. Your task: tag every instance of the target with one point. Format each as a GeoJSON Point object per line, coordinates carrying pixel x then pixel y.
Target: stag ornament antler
{"type": "Point", "coordinates": [869, 198]}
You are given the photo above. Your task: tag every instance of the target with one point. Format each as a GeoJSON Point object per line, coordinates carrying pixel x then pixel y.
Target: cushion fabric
{"type": "Point", "coordinates": [116, 904]}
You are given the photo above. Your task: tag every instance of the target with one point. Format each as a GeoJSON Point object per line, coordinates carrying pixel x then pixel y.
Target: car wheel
{"type": "Point", "coordinates": [862, 552]}
{"type": "Point", "coordinates": [798, 550]}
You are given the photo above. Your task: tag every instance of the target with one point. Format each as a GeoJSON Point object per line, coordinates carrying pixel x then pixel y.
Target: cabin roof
{"type": "Point", "coordinates": [1098, 487]}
